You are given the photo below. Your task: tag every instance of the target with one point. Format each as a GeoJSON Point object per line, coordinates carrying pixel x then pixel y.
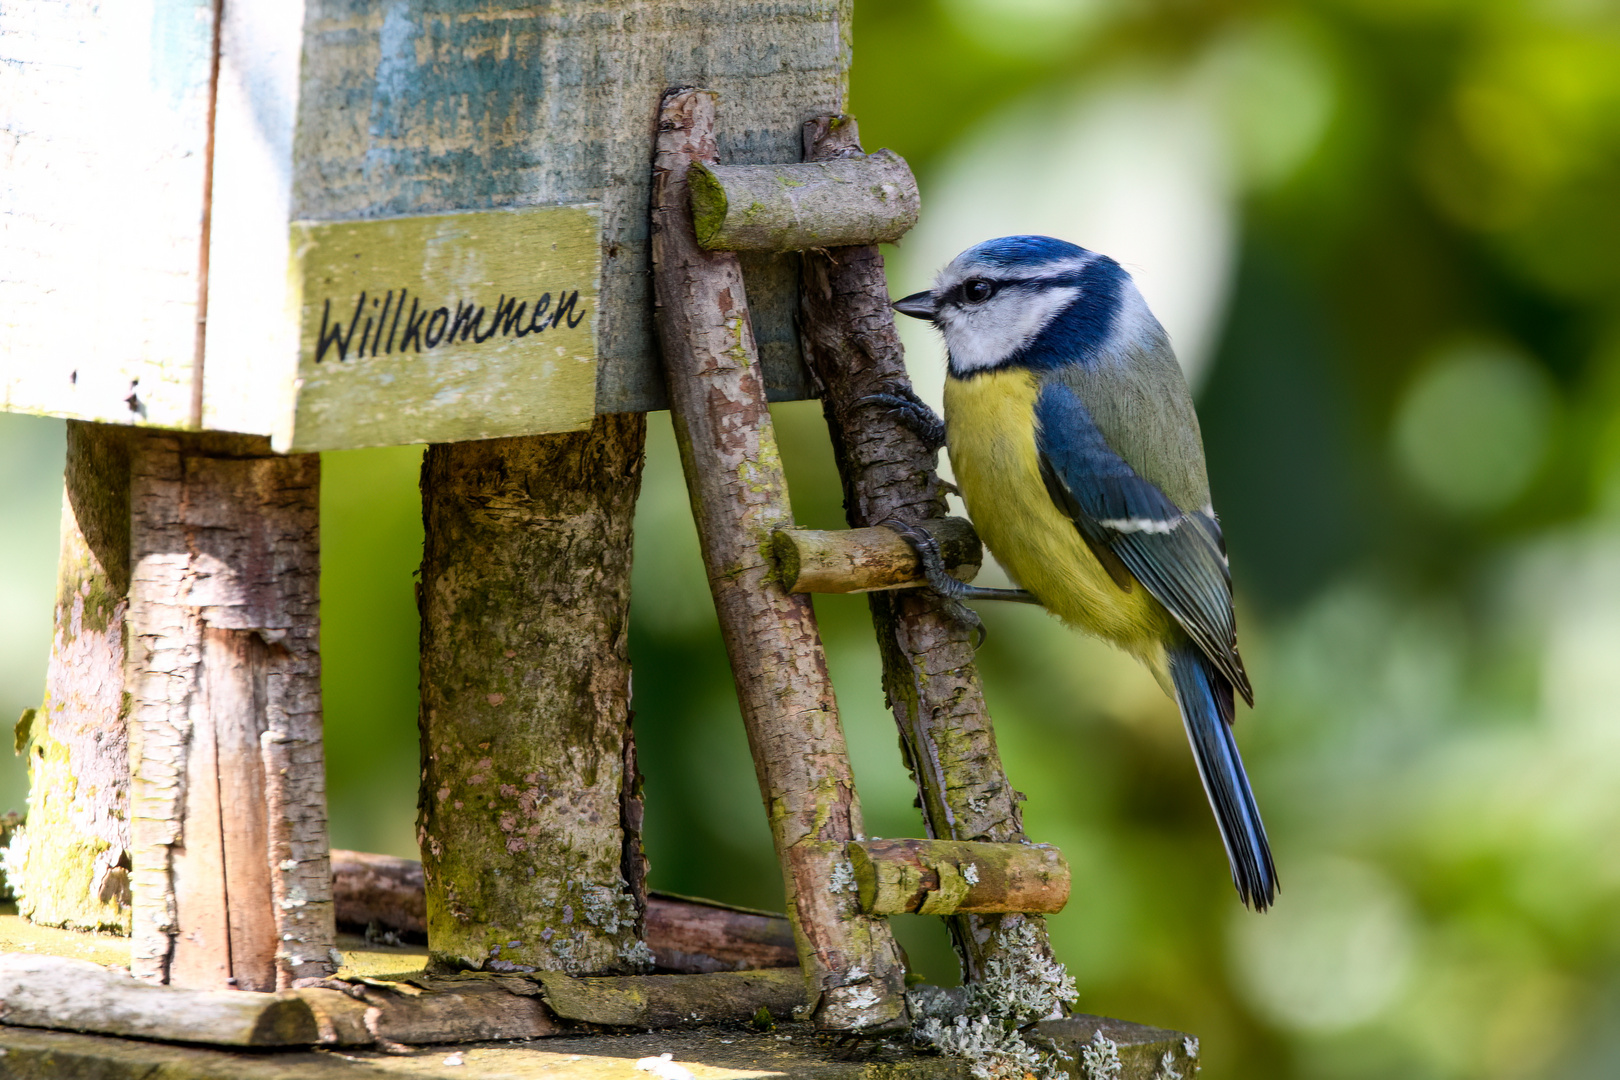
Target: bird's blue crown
{"type": "Point", "coordinates": [1024, 251]}
{"type": "Point", "coordinates": [1105, 312]}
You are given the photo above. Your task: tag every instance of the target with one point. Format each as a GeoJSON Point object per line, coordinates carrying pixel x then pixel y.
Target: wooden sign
{"type": "Point", "coordinates": [159, 156]}
{"type": "Point", "coordinates": [446, 327]}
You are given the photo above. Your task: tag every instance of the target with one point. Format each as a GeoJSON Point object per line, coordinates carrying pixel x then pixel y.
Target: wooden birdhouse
{"type": "Point", "coordinates": [362, 224]}
{"type": "Point", "coordinates": [241, 231]}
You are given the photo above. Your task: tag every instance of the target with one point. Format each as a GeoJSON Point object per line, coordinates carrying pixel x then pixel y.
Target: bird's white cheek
{"type": "Point", "coordinates": [984, 337]}
{"type": "Point", "coordinates": [971, 348]}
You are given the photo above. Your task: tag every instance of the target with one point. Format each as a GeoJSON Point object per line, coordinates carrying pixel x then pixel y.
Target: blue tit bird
{"type": "Point", "coordinates": [1077, 451]}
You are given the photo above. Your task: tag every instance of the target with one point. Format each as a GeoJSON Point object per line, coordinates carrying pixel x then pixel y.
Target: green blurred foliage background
{"type": "Point", "coordinates": [1383, 234]}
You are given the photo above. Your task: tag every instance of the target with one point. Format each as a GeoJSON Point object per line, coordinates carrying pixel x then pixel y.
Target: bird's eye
{"type": "Point", "coordinates": [977, 291]}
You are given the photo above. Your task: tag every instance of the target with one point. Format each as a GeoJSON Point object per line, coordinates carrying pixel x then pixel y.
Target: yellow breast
{"type": "Point", "coordinates": [990, 430]}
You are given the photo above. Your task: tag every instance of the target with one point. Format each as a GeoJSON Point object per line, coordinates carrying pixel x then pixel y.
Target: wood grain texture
{"type": "Point", "coordinates": [103, 108]}
{"type": "Point", "coordinates": [331, 110]}
{"type": "Point", "coordinates": [861, 560]}
{"type": "Point", "coordinates": [1145, 1054]}
{"type": "Point", "coordinates": [408, 108]}
{"type": "Point", "coordinates": [223, 659]}
{"type": "Point", "coordinates": [661, 1001]}
{"type": "Point", "coordinates": [948, 877]}
{"type": "Point", "coordinates": [250, 353]}
{"type": "Point", "coordinates": [77, 995]}
{"type": "Point", "coordinates": [529, 813]}
{"type": "Point", "coordinates": [456, 1010]}
{"type": "Point", "coordinates": [74, 850]}
{"type": "Point", "coordinates": [694, 937]}
{"type": "Point", "coordinates": [928, 672]}
{"type": "Point", "coordinates": [853, 200]}
{"type": "Point", "coordinates": [739, 497]}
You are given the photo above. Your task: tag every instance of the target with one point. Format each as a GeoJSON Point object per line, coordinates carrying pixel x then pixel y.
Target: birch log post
{"type": "Point", "coordinates": [529, 817]}
{"type": "Point", "coordinates": [739, 496]}
{"type": "Point", "coordinates": [231, 881]}
{"type": "Point", "coordinates": [929, 676]}
{"type": "Point", "coordinates": [71, 860]}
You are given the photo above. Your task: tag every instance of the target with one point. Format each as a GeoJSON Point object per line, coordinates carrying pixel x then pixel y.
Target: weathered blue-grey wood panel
{"type": "Point", "coordinates": [415, 106]}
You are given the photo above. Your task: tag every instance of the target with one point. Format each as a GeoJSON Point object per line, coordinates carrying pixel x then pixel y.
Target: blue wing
{"type": "Point", "coordinates": [1177, 555]}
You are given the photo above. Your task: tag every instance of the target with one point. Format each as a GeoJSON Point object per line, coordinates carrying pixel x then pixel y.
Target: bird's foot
{"type": "Point", "coordinates": [948, 588]}
{"type": "Point", "coordinates": [903, 405]}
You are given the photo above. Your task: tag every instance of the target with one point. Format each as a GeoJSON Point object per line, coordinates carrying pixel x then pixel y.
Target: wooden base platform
{"type": "Point", "coordinates": [711, 1053]}
{"type": "Point", "coordinates": [734, 1051]}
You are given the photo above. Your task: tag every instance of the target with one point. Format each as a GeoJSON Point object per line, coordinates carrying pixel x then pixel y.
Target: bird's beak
{"type": "Point", "coordinates": [917, 305]}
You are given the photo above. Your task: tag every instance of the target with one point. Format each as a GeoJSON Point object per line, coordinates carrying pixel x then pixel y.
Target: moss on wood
{"type": "Point", "coordinates": [858, 199]}
{"type": "Point", "coordinates": [529, 812]}
{"type": "Point", "coordinates": [69, 865]}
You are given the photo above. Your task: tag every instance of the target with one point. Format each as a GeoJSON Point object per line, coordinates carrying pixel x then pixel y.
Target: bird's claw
{"type": "Point", "coordinates": [903, 405]}
{"type": "Point", "coordinates": [948, 589]}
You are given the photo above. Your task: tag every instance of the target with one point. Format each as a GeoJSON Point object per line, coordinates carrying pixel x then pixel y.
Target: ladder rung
{"type": "Point", "coordinates": [946, 877]}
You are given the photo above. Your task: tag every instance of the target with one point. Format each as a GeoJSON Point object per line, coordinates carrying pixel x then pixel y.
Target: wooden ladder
{"type": "Point", "coordinates": [976, 868]}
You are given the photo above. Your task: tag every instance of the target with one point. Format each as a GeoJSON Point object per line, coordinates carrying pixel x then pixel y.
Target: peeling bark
{"type": "Point", "coordinates": [929, 676]}
{"type": "Point", "coordinates": [231, 880]}
{"type": "Point", "coordinates": [530, 807]}
{"type": "Point", "coordinates": [72, 856]}
{"type": "Point", "coordinates": [739, 497]}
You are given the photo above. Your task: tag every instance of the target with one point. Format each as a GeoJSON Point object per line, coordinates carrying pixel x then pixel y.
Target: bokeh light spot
{"type": "Point", "coordinates": [1332, 954]}
{"type": "Point", "coordinates": [1028, 29]}
{"type": "Point", "coordinates": [1471, 431]}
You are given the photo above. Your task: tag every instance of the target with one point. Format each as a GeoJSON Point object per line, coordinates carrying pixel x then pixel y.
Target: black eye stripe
{"type": "Point", "coordinates": [957, 294]}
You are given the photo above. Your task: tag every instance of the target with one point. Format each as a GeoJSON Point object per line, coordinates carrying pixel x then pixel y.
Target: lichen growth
{"type": "Point", "coordinates": [1099, 1059]}
{"type": "Point", "coordinates": [988, 1023]}
{"type": "Point", "coordinates": [608, 909]}
{"type": "Point", "coordinates": [842, 879]}
{"type": "Point", "coordinates": [13, 859]}
{"type": "Point", "coordinates": [638, 955]}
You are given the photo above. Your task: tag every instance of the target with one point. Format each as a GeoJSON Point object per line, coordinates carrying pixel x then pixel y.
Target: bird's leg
{"type": "Point", "coordinates": [939, 579]}
{"type": "Point", "coordinates": [911, 412]}
{"type": "Point", "coordinates": [952, 591]}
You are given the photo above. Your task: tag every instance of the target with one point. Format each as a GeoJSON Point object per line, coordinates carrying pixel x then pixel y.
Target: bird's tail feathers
{"type": "Point", "coordinates": [1205, 698]}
